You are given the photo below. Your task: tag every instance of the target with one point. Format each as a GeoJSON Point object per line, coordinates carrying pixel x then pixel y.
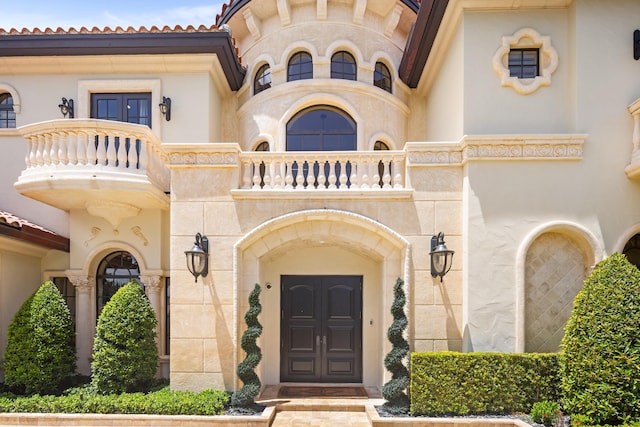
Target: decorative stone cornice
{"type": "Point", "coordinates": [497, 147]}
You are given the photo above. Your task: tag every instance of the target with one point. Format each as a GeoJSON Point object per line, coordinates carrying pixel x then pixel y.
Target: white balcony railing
{"type": "Point", "coordinates": [318, 171]}
{"type": "Point", "coordinates": [96, 147]}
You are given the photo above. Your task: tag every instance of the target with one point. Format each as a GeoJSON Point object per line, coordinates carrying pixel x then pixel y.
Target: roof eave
{"type": "Point", "coordinates": [421, 41]}
{"type": "Point", "coordinates": [66, 44]}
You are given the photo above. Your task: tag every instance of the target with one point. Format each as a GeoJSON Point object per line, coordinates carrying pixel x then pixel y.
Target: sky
{"type": "Point", "coordinates": [102, 13]}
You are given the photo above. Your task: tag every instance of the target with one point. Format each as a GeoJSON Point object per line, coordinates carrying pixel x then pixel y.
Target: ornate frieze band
{"type": "Point", "coordinates": [202, 154]}
{"type": "Point", "coordinates": [498, 147]}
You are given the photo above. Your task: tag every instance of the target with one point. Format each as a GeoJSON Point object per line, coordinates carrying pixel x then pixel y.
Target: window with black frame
{"type": "Point", "coordinates": [300, 67]}
{"type": "Point", "coordinates": [262, 79]}
{"type": "Point", "coordinates": [343, 66]}
{"type": "Point", "coordinates": [114, 271]}
{"type": "Point", "coordinates": [524, 63]}
{"type": "Point", "coordinates": [382, 77]}
{"type": "Point", "coordinates": [7, 114]}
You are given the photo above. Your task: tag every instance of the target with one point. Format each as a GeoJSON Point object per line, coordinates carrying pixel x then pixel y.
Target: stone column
{"type": "Point", "coordinates": [152, 288]}
{"type": "Point", "coordinates": [85, 320]}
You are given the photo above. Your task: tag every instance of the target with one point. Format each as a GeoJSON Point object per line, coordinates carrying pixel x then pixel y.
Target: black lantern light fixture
{"type": "Point", "coordinates": [165, 108]}
{"type": "Point", "coordinates": [66, 107]}
{"type": "Point", "coordinates": [198, 257]}
{"type": "Point", "coordinates": [441, 256]}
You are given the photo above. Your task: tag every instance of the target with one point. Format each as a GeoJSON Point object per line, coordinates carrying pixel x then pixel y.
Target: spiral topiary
{"type": "Point", "coordinates": [394, 390]}
{"type": "Point", "coordinates": [246, 369]}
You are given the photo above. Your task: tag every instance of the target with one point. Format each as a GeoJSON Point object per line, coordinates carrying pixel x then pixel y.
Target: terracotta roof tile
{"type": "Point", "coordinates": [17, 222]}
{"type": "Point", "coordinates": [109, 30]}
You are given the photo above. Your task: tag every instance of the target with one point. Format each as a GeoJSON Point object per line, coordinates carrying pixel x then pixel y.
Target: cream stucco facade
{"type": "Point", "coordinates": [532, 180]}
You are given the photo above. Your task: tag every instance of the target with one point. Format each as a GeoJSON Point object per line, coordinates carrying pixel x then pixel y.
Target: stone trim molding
{"type": "Point", "coordinates": [526, 38]}
{"type": "Point", "coordinates": [589, 243]}
{"type": "Point", "coordinates": [205, 154]}
{"type": "Point", "coordinates": [496, 147]}
{"type": "Point", "coordinates": [633, 169]}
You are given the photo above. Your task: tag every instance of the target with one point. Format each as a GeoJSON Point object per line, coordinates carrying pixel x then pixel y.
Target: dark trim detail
{"type": "Point", "coordinates": [36, 236]}
{"type": "Point", "coordinates": [235, 6]}
{"type": "Point", "coordinates": [212, 42]}
{"type": "Point", "coordinates": [421, 41]}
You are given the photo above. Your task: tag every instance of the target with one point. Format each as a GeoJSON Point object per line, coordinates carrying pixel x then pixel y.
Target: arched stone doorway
{"type": "Point", "coordinates": [321, 243]}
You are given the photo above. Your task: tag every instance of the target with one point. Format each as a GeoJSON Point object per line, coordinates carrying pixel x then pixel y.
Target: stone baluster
{"type": "Point", "coordinates": [256, 174]}
{"type": "Point", "coordinates": [288, 179]}
{"type": "Point", "coordinates": [333, 179]}
{"type": "Point", "coordinates": [246, 174]}
{"type": "Point", "coordinates": [72, 148]}
{"type": "Point", "coordinates": [397, 176]}
{"type": "Point", "coordinates": [112, 156]}
{"type": "Point", "coordinates": [46, 151]}
{"type": "Point", "coordinates": [101, 149]}
{"type": "Point", "coordinates": [53, 149]}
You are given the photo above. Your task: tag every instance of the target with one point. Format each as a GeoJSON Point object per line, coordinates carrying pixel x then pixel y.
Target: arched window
{"type": "Point", "coordinates": [7, 115]}
{"type": "Point", "coordinates": [382, 77]}
{"type": "Point", "coordinates": [263, 146]}
{"type": "Point", "coordinates": [632, 250]}
{"type": "Point", "coordinates": [321, 128]}
{"type": "Point", "coordinates": [114, 271]}
{"type": "Point", "coordinates": [300, 67]}
{"type": "Point", "coordinates": [343, 66]}
{"type": "Point", "coordinates": [262, 80]}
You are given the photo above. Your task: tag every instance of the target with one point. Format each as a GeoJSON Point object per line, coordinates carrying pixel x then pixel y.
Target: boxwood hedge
{"type": "Point", "coordinates": [448, 383]}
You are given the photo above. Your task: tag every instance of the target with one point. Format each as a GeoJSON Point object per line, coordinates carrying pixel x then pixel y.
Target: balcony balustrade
{"type": "Point", "coordinates": [323, 171]}
{"type": "Point", "coordinates": [81, 162]}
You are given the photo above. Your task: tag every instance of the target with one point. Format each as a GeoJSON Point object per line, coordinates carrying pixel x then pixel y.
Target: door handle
{"type": "Point", "coordinates": [318, 341]}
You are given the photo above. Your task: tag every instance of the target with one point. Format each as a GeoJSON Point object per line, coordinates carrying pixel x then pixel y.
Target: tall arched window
{"type": "Point", "coordinates": [114, 271]}
{"type": "Point", "coordinates": [321, 128]}
{"type": "Point", "coordinates": [382, 77]}
{"type": "Point", "coordinates": [300, 67]}
{"type": "Point", "coordinates": [262, 79]}
{"type": "Point", "coordinates": [343, 66]}
{"type": "Point", "coordinates": [7, 115]}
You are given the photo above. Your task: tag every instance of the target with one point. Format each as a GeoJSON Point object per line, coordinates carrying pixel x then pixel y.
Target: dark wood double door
{"type": "Point", "coordinates": [321, 329]}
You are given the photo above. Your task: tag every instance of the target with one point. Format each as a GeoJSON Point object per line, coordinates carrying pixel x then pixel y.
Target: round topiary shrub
{"type": "Point", "coordinates": [600, 363]}
{"type": "Point", "coordinates": [246, 369]}
{"type": "Point", "coordinates": [125, 356]}
{"type": "Point", "coordinates": [394, 390]}
{"type": "Point", "coordinates": [40, 351]}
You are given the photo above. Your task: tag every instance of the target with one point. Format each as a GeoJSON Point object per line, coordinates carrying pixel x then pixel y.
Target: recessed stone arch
{"type": "Point", "coordinates": [551, 265]}
{"type": "Point", "coordinates": [343, 243]}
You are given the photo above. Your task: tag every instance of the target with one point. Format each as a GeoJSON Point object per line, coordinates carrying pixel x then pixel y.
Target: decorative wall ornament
{"type": "Point", "coordinates": [114, 212]}
{"type": "Point", "coordinates": [203, 159]}
{"type": "Point", "coordinates": [94, 233]}
{"type": "Point", "coordinates": [138, 232]}
{"type": "Point", "coordinates": [526, 38]}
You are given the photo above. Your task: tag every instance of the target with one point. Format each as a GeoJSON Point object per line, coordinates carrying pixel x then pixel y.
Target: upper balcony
{"type": "Point", "coordinates": [112, 169]}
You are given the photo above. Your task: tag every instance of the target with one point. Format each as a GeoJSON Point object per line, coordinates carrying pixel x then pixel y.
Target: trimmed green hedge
{"type": "Point", "coordinates": [162, 402]}
{"type": "Point", "coordinates": [448, 383]}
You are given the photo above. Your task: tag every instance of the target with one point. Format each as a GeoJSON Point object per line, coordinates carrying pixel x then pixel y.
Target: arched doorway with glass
{"type": "Point", "coordinates": [321, 128]}
{"type": "Point", "coordinates": [114, 271]}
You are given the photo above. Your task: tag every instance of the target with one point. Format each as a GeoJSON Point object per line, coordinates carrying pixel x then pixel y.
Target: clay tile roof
{"type": "Point", "coordinates": [24, 230]}
{"type": "Point", "coordinates": [109, 30]}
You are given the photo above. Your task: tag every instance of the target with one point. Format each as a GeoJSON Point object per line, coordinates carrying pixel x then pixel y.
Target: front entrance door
{"type": "Point", "coordinates": [321, 329]}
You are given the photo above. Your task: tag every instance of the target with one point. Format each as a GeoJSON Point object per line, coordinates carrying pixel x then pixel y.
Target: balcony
{"type": "Point", "coordinates": [112, 169]}
{"type": "Point", "coordinates": [323, 174]}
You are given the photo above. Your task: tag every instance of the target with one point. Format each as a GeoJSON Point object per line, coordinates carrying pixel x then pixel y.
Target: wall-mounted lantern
{"type": "Point", "coordinates": [198, 257]}
{"type": "Point", "coordinates": [441, 256]}
{"type": "Point", "coordinates": [165, 108]}
{"type": "Point", "coordinates": [66, 107]}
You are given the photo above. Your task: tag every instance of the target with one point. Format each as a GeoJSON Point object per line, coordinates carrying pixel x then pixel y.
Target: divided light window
{"type": "Point", "coordinates": [122, 107]}
{"type": "Point", "coordinates": [300, 67]}
{"type": "Point", "coordinates": [262, 80]}
{"type": "Point", "coordinates": [524, 63]}
{"type": "Point", "coordinates": [382, 77]}
{"type": "Point", "coordinates": [7, 115]}
{"type": "Point", "coordinates": [343, 66]}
